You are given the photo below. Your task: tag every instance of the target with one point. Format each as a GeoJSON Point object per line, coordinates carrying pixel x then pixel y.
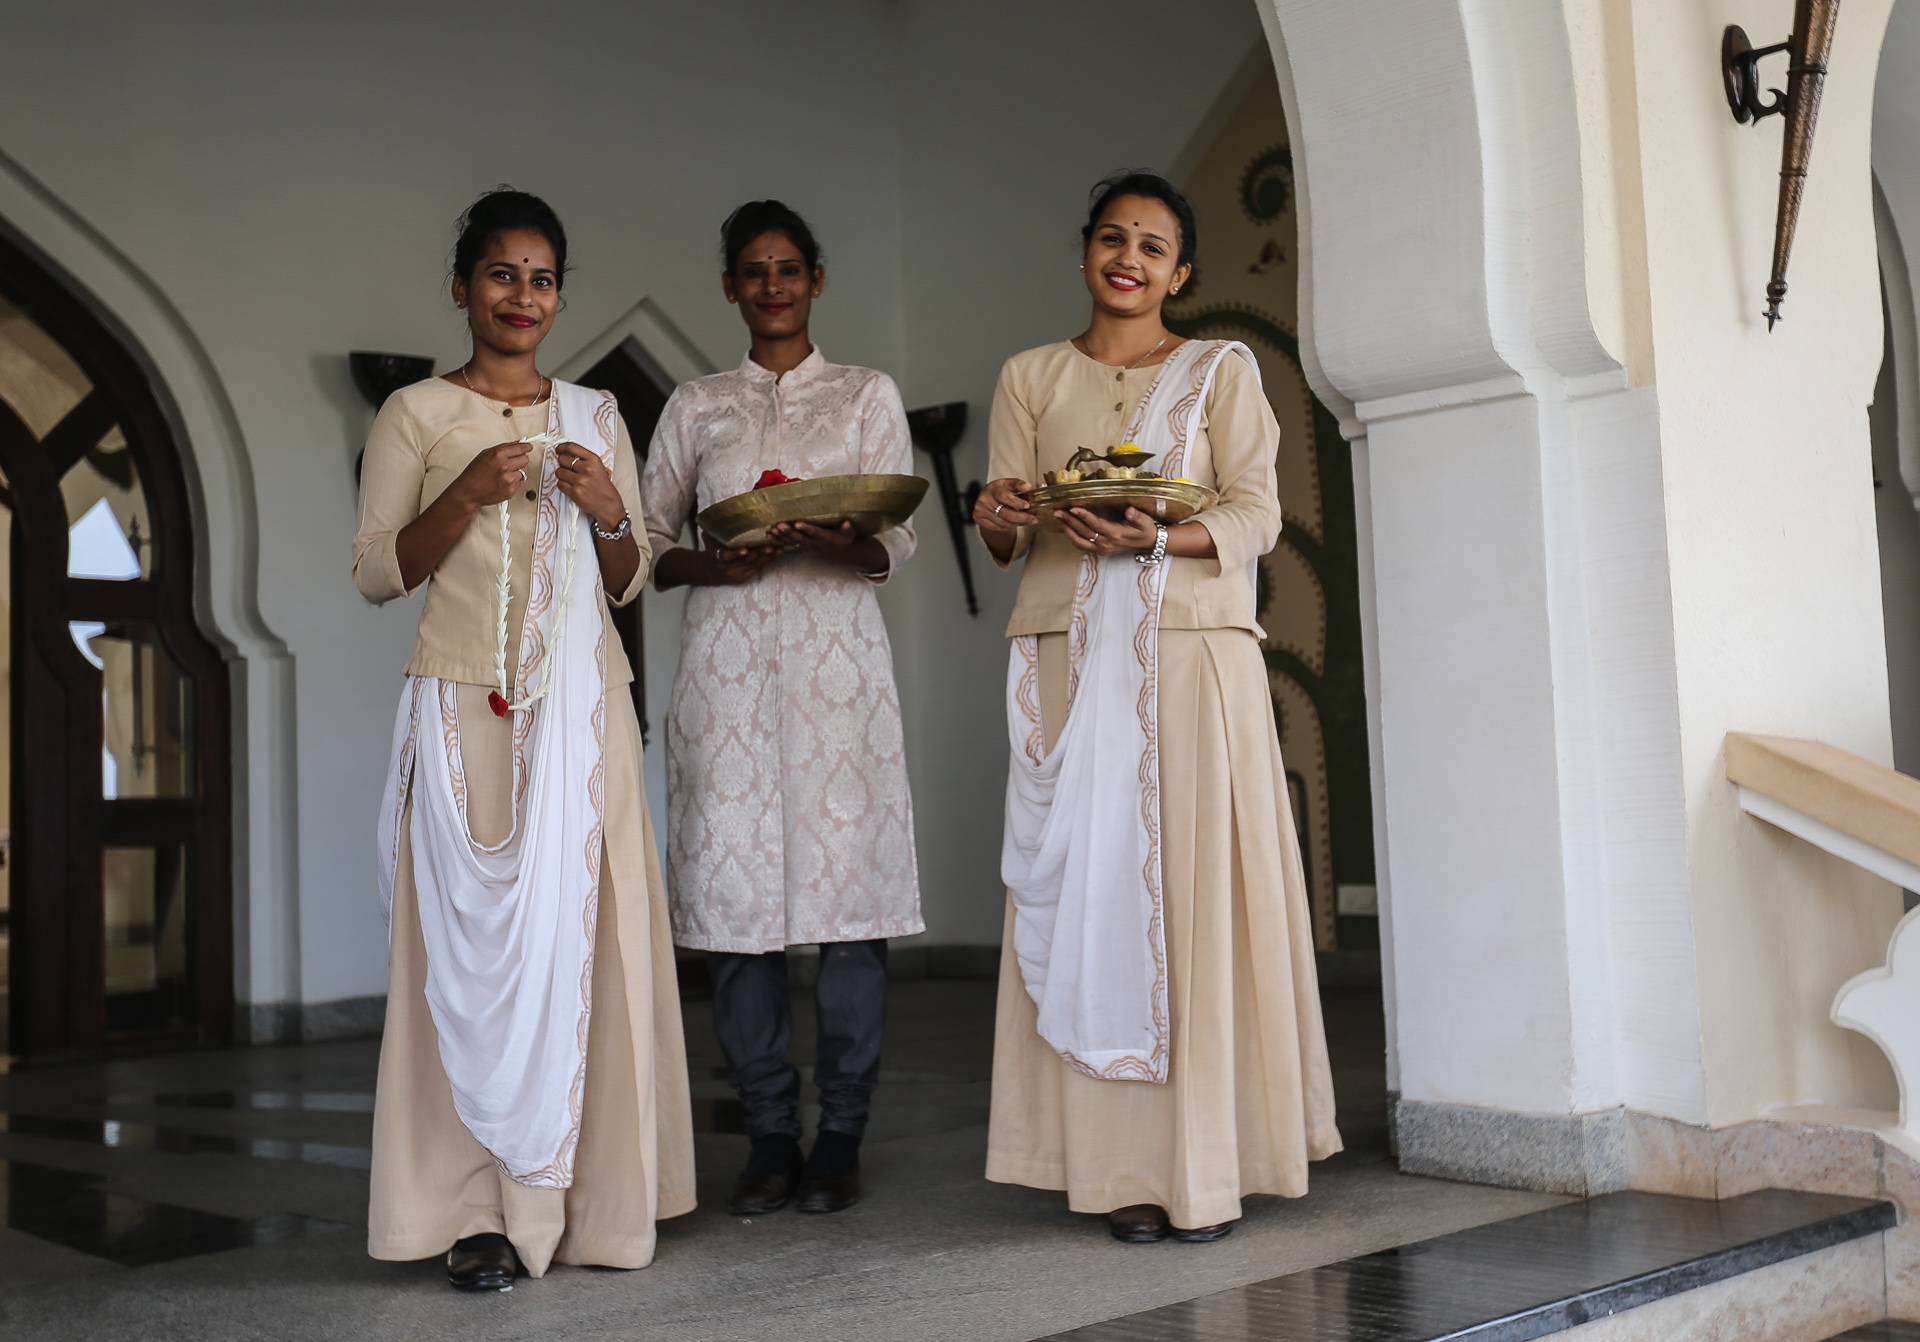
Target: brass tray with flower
{"type": "Point", "coordinates": [873, 503]}
{"type": "Point", "coordinates": [1108, 490]}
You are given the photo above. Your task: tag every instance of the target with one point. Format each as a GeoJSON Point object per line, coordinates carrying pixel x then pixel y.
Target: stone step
{"type": "Point", "coordinates": [1685, 1262]}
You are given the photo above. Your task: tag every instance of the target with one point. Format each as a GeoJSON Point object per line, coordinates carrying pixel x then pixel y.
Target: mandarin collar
{"type": "Point", "coordinates": [806, 368]}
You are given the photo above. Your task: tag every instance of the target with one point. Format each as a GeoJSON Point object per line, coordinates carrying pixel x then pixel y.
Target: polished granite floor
{"type": "Point", "coordinates": [1528, 1277]}
{"type": "Point", "coordinates": [222, 1195]}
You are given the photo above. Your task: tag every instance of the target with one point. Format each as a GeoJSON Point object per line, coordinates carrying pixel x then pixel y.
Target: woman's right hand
{"type": "Point", "coordinates": [493, 475]}
{"type": "Point", "coordinates": [1001, 510]}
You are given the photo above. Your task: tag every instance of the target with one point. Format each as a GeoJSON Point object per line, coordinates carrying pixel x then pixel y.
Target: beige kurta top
{"type": "Point", "coordinates": [788, 819]}
{"type": "Point", "coordinates": [1054, 400]}
{"type": "Point", "coordinates": [424, 436]}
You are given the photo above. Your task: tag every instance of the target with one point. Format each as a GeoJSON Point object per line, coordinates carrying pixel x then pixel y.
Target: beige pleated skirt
{"type": "Point", "coordinates": [1249, 1097]}
{"type": "Point", "coordinates": [432, 1182]}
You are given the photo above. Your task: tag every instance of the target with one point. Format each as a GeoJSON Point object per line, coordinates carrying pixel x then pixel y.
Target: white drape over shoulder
{"type": "Point", "coordinates": [1081, 851]}
{"type": "Point", "coordinates": [509, 929]}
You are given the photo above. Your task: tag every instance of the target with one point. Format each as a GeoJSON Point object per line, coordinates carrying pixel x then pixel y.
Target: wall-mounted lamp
{"type": "Point", "coordinates": [937, 430]}
{"type": "Point", "coordinates": [1807, 50]}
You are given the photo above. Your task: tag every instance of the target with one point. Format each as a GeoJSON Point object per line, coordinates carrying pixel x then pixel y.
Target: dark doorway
{"type": "Point", "coordinates": [118, 872]}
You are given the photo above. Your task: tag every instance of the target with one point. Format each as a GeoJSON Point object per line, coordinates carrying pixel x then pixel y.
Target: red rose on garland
{"type": "Point", "coordinates": [497, 703]}
{"type": "Point", "coordinates": [768, 479]}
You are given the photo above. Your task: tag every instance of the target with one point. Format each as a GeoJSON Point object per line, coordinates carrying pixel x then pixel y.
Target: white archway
{"type": "Point", "coordinates": [1517, 627]}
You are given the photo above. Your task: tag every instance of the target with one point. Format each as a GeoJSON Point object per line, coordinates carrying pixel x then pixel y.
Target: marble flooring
{"type": "Point", "coordinates": [222, 1195]}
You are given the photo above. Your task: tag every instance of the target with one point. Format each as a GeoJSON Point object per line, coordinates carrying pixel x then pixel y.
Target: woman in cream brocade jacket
{"type": "Point", "coordinates": [789, 822]}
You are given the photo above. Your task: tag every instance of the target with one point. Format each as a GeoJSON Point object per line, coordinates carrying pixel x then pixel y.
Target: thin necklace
{"type": "Point", "coordinates": [1137, 362]}
{"type": "Point", "coordinates": [1148, 355]}
{"type": "Point", "coordinates": [546, 381]}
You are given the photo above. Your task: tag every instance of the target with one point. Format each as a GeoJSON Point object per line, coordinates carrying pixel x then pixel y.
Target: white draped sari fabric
{"type": "Point", "coordinates": [509, 929]}
{"type": "Point", "coordinates": [1081, 851]}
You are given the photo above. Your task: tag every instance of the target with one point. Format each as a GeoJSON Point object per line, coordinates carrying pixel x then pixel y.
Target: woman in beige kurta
{"type": "Point", "coordinates": [1248, 1099]}
{"type": "Point", "coordinates": [434, 443]}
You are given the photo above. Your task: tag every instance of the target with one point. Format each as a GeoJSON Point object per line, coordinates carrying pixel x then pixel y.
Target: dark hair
{"type": "Point", "coordinates": [1153, 186]}
{"type": "Point", "coordinates": [503, 210]}
{"type": "Point", "coordinates": [766, 216]}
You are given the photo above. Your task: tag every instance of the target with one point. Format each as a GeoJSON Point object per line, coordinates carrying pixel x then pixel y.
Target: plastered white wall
{"type": "Point", "coordinates": [286, 178]}
{"type": "Point", "coordinates": [1770, 530]}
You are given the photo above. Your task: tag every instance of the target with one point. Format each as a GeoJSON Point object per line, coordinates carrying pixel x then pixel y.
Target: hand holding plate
{"type": "Point", "coordinates": [1002, 507]}
{"type": "Point", "coordinates": [1133, 534]}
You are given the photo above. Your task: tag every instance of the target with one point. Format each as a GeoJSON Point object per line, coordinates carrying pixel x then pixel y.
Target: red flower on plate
{"type": "Point", "coordinates": [768, 479]}
{"type": "Point", "coordinates": [497, 702]}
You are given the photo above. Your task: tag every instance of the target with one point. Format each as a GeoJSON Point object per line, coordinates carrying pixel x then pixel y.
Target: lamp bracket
{"type": "Point", "coordinates": [1740, 69]}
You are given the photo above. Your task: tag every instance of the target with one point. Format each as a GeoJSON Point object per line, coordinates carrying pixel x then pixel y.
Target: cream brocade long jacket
{"type": "Point", "coordinates": [788, 819]}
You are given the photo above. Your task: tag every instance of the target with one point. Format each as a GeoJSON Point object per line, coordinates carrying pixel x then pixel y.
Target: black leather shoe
{"type": "Point", "coordinates": [1142, 1224]}
{"type": "Point", "coordinates": [767, 1184]}
{"type": "Point", "coordinates": [832, 1180]}
{"type": "Point", "coordinates": [828, 1192]}
{"type": "Point", "coordinates": [1203, 1234]}
{"type": "Point", "coordinates": [482, 1263]}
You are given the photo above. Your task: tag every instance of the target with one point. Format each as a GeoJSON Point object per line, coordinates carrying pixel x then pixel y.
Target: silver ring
{"type": "Point", "coordinates": [997, 507]}
{"type": "Point", "coordinates": [523, 472]}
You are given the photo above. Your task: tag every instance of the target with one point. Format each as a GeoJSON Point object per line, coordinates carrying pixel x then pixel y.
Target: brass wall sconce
{"type": "Point", "coordinates": [1807, 50]}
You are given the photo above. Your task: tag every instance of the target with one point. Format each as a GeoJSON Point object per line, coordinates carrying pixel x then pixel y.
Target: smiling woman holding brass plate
{"type": "Point", "coordinates": [787, 811]}
{"type": "Point", "coordinates": [1158, 1051]}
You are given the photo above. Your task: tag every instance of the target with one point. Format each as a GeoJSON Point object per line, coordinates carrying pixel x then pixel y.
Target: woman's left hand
{"type": "Point", "coordinates": [583, 477]}
{"type": "Point", "coordinates": [1133, 534]}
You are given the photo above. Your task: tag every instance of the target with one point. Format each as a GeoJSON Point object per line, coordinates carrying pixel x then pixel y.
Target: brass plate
{"type": "Point", "coordinates": [873, 503]}
{"type": "Point", "coordinates": [1166, 501]}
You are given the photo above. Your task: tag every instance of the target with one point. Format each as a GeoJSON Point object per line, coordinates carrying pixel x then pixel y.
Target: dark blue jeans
{"type": "Point", "coordinates": [753, 1016]}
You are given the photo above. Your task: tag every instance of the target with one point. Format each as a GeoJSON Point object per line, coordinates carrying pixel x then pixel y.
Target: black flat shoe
{"type": "Point", "coordinates": [1141, 1224]}
{"type": "Point", "coordinates": [832, 1179]}
{"type": "Point", "coordinates": [767, 1184]}
{"type": "Point", "coordinates": [1203, 1234]}
{"type": "Point", "coordinates": [482, 1263]}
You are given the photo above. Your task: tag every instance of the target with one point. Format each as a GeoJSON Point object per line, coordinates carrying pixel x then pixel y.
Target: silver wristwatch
{"type": "Point", "coordinates": [1159, 551]}
{"type": "Point", "coordinates": [625, 529]}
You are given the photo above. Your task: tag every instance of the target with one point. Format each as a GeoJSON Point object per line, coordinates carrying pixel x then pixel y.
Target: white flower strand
{"type": "Point", "coordinates": [503, 591]}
